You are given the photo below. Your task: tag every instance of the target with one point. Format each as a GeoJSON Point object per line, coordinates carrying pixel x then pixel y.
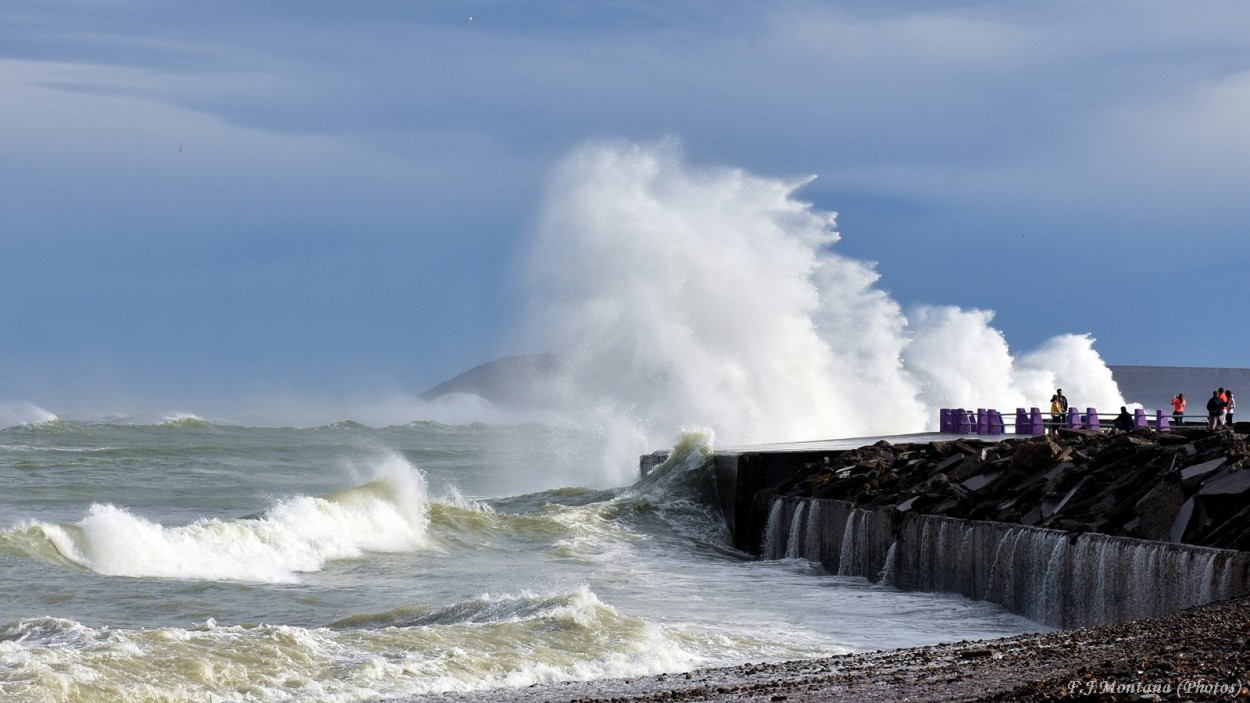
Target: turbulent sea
{"type": "Point", "coordinates": [187, 561]}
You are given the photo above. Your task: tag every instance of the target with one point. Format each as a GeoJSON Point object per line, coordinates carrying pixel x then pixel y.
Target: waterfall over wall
{"type": "Point", "coordinates": [1053, 577]}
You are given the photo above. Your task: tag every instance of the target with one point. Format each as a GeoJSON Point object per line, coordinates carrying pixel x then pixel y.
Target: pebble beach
{"type": "Point", "coordinates": [1202, 654]}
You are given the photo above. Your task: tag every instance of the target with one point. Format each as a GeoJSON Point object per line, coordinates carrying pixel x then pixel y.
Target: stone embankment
{"type": "Point", "coordinates": [1186, 486]}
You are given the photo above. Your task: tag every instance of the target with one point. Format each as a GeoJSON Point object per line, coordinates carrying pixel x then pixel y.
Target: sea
{"type": "Point", "coordinates": [188, 560]}
{"type": "Point", "coordinates": [290, 542]}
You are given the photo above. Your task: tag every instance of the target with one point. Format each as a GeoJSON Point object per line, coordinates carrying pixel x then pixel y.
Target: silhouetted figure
{"type": "Point", "coordinates": [1215, 409]}
{"type": "Point", "coordinates": [1123, 421]}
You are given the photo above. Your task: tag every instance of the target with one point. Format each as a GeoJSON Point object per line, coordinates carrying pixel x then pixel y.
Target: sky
{"type": "Point", "coordinates": [206, 203]}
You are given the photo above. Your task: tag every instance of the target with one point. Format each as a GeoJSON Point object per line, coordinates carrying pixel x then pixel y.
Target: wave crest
{"type": "Point", "coordinates": [25, 414]}
{"type": "Point", "coordinates": [295, 535]}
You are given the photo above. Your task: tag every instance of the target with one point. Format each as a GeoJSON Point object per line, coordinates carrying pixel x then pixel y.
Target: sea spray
{"type": "Point", "coordinates": [15, 414]}
{"type": "Point", "coordinates": [680, 295]}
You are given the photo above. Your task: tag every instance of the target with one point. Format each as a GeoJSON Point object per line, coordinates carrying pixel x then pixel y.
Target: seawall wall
{"type": "Point", "coordinates": [1082, 529]}
{"type": "Point", "coordinates": [1050, 576]}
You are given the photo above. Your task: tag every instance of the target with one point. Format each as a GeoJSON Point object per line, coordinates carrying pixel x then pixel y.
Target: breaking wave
{"type": "Point", "coordinates": [713, 297]}
{"type": "Point", "coordinates": [294, 535]}
{"type": "Point", "coordinates": [511, 640]}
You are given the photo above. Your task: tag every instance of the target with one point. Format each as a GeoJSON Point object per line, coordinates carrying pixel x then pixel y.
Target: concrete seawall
{"type": "Point", "coordinates": [1052, 577]}
{"type": "Point", "coordinates": [1057, 578]}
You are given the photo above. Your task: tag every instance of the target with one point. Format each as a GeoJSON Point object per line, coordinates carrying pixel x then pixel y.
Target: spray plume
{"type": "Point", "coordinates": [713, 298]}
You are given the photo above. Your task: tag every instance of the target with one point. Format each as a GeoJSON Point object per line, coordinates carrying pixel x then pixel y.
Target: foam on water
{"type": "Point", "coordinates": [507, 640]}
{"type": "Point", "coordinates": [298, 534]}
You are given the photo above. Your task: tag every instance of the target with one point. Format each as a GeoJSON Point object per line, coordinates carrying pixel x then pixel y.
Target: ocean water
{"type": "Point", "coordinates": [190, 561]}
{"type": "Point", "coordinates": [185, 560]}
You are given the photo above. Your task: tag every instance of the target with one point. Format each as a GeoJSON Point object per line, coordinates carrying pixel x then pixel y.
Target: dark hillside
{"type": "Point", "coordinates": [510, 381]}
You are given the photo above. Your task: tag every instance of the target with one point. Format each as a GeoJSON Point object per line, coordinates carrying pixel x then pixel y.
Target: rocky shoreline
{"type": "Point", "coordinates": [1202, 654]}
{"type": "Point", "coordinates": [1186, 485]}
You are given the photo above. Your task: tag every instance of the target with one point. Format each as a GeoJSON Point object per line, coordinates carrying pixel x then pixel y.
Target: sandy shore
{"type": "Point", "coordinates": [1201, 654]}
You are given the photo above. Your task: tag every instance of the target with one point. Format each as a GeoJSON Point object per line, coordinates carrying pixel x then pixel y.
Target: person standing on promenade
{"type": "Point", "coordinates": [1056, 414]}
{"type": "Point", "coordinates": [1215, 409]}
{"type": "Point", "coordinates": [1063, 403]}
{"type": "Point", "coordinates": [1178, 409]}
{"type": "Point", "coordinates": [1229, 408]}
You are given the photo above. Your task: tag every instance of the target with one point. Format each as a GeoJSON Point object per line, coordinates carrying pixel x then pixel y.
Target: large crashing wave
{"type": "Point", "coordinates": [713, 298]}
{"type": "Point", "coordinates": [295, 535]}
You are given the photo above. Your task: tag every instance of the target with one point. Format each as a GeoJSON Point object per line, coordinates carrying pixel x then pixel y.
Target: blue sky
{"type": "Point", "coordinates": [205, 201]}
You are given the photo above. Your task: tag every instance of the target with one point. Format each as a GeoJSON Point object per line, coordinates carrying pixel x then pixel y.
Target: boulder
{"type": "Point", "coordinates": [1156, 512]}
{"type": "Point", "coordinates": [980, 481]}
{"type": "Point", "coordinates": [1084, 484]}
{"type": "Point", "coordinates": [1227, 483]}
{"type": "Point", "coordinates": [1034, 455]}
{"type": "Point", "coordinates": [1181, 524]}
{"type": "Point", "coordinates": [945, 464]}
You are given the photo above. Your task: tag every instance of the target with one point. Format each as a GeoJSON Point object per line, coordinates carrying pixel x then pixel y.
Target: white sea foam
{"type": "Point", "coordinates": [714, 297]}
{"type": "Point", "coordinates": [298, 534]}
{"type": "Point", "coordinates": [185, 420]}
{"type": "Point", "coordinates": [507, 640]}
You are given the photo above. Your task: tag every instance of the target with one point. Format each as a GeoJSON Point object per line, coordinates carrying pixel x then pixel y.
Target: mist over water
{"type": "Point", "coordinates": [715, 298]}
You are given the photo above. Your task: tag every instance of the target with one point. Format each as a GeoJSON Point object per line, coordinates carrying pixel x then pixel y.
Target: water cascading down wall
{"type": "Point", "coordinates": [1052, 577]}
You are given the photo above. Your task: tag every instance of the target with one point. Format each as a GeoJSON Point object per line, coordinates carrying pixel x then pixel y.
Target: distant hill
{"type": "Point", "coordinates": [510, 381]}
{"type": "Point", "coordinates": [518, 381]}
{"type": "Point", "coordinates": [1154, 386]}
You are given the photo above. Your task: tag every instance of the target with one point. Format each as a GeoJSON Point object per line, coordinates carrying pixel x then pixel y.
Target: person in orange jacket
{"type": "Point", "coordinates": [1178, 409]}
